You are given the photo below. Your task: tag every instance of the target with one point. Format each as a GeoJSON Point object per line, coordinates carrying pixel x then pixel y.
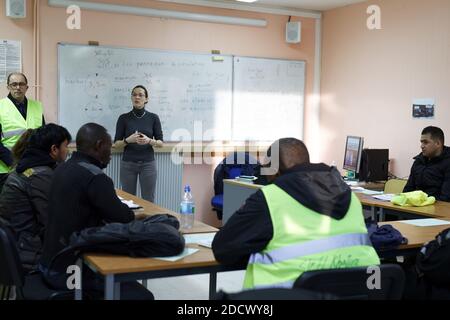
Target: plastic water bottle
{"type": "Point", "coordinates": [187, 209]}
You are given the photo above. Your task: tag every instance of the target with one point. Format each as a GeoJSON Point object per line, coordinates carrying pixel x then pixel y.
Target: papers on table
{"type": "Point", "coordinates": [248, 179]}
{"type": "Point", "coordinates": [131, 204]}
{"type": "Point", "coordinates": [185, 253]}
{"type": "Point", "coordinates": [426, 222]}
{"type": "Point", "coordinates": [365, 191]}
{"type": "Point", "coordinates": [202, 239]}
{"type": "Point", "coordinates": [372, 192]}
{"type": "Point", "coordinates": [384, 197]}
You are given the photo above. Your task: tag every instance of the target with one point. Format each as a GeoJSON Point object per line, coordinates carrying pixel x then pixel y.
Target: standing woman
{"type": "Point", "coordinates": [139, 130]}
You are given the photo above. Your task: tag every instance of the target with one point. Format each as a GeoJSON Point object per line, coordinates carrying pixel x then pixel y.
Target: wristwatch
{"type": "Point", "coordinates": [125, 141]}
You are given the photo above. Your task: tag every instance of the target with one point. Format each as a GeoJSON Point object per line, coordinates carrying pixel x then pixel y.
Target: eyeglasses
{"type": "Point", "coordinates": [140, 95]}
{"type": "Point", "coordinates": [17, 84]}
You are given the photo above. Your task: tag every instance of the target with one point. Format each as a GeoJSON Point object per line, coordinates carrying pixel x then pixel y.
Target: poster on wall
{"type": "Point", "coordinates": [423, 108]}
{"type": "Point", "coordinates": [10, 58]}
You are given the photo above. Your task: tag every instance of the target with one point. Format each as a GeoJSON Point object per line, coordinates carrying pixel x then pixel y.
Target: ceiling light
{"type": "Point", "coordinates": [247, 0]}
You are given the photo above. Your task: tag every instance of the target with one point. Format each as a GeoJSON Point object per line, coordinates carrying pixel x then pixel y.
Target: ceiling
{"type": "Point", "coordinates": [316, 5]}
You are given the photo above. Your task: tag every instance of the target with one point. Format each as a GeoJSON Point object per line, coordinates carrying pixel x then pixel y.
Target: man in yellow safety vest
{"type": "Point", "coordinates": [17, 114]}
{"type": "Point", "coordinates": [306, 219]}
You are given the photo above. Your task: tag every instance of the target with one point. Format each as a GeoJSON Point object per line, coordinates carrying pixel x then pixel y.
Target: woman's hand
{"type": "Point", "coordinates": [132, 138]}
{"type": "Point", "coordinates": [143, 139]}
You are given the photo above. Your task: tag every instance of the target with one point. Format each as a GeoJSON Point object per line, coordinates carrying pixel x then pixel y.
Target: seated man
{"type": "Point", "coordinates": [430, 171]}
{"type": "Point", "coordinates": [24, 199]}
{"type": "Point", "coordinates": [81, 196]}
{"type": "Point", "coordinates": [307, 219]}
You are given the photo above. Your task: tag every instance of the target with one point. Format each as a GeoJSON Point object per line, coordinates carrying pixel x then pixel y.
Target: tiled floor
{"type": "Point", "coordinates": [194, 287]}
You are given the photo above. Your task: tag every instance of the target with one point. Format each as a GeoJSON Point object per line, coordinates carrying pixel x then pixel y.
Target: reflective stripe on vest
{"type": "Point", "coordinates": [310, 247]}
{"type": "Point", "coordinates": [286, 285]}
{"type": "Point", "coordinates": [12, 133]}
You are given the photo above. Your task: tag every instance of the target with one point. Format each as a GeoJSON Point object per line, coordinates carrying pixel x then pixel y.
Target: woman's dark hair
{"type": "Point", "coordinates": [19, 148]}
{"type": "Point", "coordinates": [143, 88]}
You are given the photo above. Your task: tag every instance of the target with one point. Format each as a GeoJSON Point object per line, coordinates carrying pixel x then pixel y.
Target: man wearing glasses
{"type": "Point", "coordinates": [17, 114]}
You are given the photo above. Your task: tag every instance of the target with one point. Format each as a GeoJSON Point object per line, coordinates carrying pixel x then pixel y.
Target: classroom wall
{"type": "Point", "coordinates": [369, 78]}
{"type": "Point", "coordinates": [19, 29]}
{"type": "Point", "coordinates": [146, 32]}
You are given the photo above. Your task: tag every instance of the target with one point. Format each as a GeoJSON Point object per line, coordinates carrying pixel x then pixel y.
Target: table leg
{"type": "Point", "coordinates": [381, 215]}
{"type": "Point", "coordinates": [109, 287]}
{"type": "Point", "coordinates": [117, 291]}
{"type": "Point", "coordinates": [79, 291]}
{"type": "Point", "coordinates": [373, 213]}
{"type": "Point", "coordinates": [212, 285]}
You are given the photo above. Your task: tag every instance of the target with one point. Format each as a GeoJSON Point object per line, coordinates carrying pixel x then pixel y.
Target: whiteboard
{"type": "Point", "coordinates": [186, 90]}
{"type": "Point", "coordinates": [268, 99]}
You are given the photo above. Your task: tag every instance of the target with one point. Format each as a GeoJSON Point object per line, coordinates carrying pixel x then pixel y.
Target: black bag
{"type": "Point", "coordinates": [433, 260]}
{"type": "Point", "coordinates": [154, 236]}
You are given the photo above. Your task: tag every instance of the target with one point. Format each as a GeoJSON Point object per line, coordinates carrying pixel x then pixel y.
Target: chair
{"type": "Point", "coordinates": [394, 186]}
{"type": "Point", "coordinates": [351, 283]}
{"type": "Point", "coordinates": [28, 287]}
{"type": "Point", "coordinates": [234, 165]}
{"type": "Point", "coordinates": [274, 294]}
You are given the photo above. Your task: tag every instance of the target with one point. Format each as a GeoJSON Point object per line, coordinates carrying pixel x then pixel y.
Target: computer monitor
{"type": "Point", "coordinates": [374, 165]}
{"type": "Point", "coordinates": [352, 158]}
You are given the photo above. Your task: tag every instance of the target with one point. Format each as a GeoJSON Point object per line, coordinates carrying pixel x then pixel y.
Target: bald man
{"type": "Point", "coordinates": [306, 219]}
{"type": "Point", "coordinates": [17, 114]}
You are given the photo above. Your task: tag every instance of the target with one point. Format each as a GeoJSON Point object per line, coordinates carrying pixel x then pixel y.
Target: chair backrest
{"type": "Point", "coordinates": [234, 172]}
{"type": "Point", "coordinates": [394, 186]}
{"type": "Point", "coordinates": [274, 294]}
{"type": "Point", "coordinates": [11, 271]}
{"type": "Point", "coordinates": [353, 283]}
{"type": "Point", "coordinates": [235, 164]}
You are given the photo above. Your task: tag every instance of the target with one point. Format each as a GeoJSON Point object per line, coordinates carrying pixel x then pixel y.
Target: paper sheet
{"type": "Point", "coordinates": [204, 238]}
{"type": "Point", "coordinates": [384, 197]}
{"type": "Point", "coordinates": [426, 222]}
{"type": "Point", "coordinates": [185, 253]}
{"type": "Point", "coordinates": [10, 57]}
{"type": "Point", "coordinates": [371, 192]}
{"type": "Point", "coordinates": [131, 204]}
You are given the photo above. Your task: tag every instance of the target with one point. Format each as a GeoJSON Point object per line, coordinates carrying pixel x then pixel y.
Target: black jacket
{"type": "Point", "coordinates": [249, 230]}
{"type": "Point", "coordinates": [432, 176]}
{"type": "Point", "coordinates": [24, 203]}
{"type": "Point", "coordinates": [154, 236]}
{"type": "Point", "coordinates": [81, 196]}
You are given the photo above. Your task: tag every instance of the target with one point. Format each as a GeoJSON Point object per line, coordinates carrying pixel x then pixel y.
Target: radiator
{"type": "Point", "coordinates": [169, 185]}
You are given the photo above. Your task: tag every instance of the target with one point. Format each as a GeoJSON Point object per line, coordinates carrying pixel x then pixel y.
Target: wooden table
{"type": "Point", "coordinates": [440, 209]}
{"type": "Point", "coordinates": [376, 186]}
{"type": "Point", "coordinates": [417, 237]}
{"type": "Point", "coordinates": [117, 269]}
{"type": "Point", "coordinates": [149, 208]}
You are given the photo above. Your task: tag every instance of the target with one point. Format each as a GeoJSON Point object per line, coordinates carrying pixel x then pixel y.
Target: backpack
{"type": "Point", "coordinates": [433, 260]}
